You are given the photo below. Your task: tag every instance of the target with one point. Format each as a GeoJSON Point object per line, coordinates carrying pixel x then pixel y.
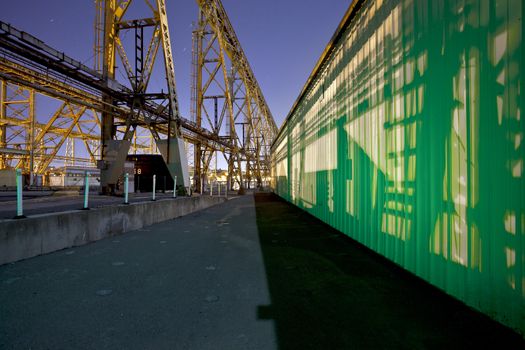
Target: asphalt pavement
{"type": "Point", "coordinates": [195, 282]}
{"type": "Point", "coordinates": [35, 203]}
{"type": "Point", "coordinates": [252, 273]}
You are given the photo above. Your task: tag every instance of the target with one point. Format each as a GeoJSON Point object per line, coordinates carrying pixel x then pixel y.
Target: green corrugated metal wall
{"type": "Point", "coordinates": [409, 139]}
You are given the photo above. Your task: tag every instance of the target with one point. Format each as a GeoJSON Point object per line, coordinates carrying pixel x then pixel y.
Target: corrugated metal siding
{"type": "Point", "coordinates": [410, 140]}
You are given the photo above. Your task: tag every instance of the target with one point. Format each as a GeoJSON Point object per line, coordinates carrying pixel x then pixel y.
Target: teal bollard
{"type": "Point", "coordinates": [175, 187]}
{"type": "Point", "coordinates": [86, 191]}
{"type": "Point", "coordinates": [126, 188]}
{"type": "Point", "coordinates": [154, 187]}
{"type": "Point", "coordinates": [19, 206]}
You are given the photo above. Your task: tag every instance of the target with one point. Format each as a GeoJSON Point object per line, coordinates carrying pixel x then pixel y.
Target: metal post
{"type": "Point", "coordinates": [202, 185]}
{"type": "Point", "coordinates": [126, 188]}
{"type": "Point", "coordinates": [154, 187]}
{"type": "Point", "coordinates": [86, 190]}
{"type": "Point", "coordinates": [175, 187]}
{"type": "Point", "coordinates": [219, 185]}
{"type": "Point", "coordinates": [211, 188]}
{"type": "Point", "coordinates": [19, 209]}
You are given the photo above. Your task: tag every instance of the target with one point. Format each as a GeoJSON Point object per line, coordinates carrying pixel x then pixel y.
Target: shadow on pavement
{"type": "Point", "coordinates": [330, 292]}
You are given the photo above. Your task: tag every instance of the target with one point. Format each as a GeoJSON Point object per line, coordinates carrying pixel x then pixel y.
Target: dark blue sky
{"type": "Point", "coordinates": [282, 39]}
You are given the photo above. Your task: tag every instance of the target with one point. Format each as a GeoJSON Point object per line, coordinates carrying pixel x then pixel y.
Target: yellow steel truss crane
{"type": "Point", "coordinates": [227, 98]}
{"type": "Point", "coordinates": [90, 108]}
{"type": "Point", "coordinates": [30, 143]}
{"type": "Point", "coordinates": [115, 148]}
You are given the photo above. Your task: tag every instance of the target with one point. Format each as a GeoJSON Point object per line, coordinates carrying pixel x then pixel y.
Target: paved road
{"type": "Point", "coordinates": [191, 283]}
{"type": "Point", "coordinates": [10, 196]}
{"type": "Point", "coordinates": [248, 274]}
{"type": "Point", "coordinates": [40, 203]}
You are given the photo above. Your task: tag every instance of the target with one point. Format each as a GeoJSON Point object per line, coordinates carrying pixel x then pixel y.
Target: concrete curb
{"type": "Point", "coordinates": [41, 234]}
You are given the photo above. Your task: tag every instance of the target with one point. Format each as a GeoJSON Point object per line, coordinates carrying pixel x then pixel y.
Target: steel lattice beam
{"type": "Point", "coordinates": [29, 64]}
{"type": "Point", "coordinates": [222, 72]}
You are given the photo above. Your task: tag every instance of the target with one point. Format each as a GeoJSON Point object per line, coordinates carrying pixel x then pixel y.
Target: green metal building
{"type": "Point", "coordinates": [408, 137]}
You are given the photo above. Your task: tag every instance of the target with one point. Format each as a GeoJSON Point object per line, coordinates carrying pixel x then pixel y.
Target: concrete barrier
{"type": "Point", "coordinates": [41, 234]}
